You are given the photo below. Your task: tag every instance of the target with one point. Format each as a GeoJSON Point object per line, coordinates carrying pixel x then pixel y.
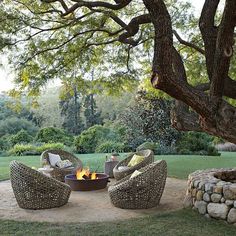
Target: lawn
{"type": "Point", "coordinates": [178, 223]}
{"type": "Point", "coordinates": [179, 166]}
{"type": "Point", "coordinates": [95, 161]}
{"type": "Point", "coordinates": [181, 222]}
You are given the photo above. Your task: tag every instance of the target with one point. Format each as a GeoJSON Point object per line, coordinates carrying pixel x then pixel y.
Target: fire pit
{"type": "Point", "coordinates": [83, 180]}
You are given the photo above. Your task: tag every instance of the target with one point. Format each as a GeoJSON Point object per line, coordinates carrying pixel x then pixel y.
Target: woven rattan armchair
{"type": "Point", "coordinates": [143, 191]}
{"type": "Point", "coordinates": [60, 173]}
{"type": "Point", "coordinates": [34, 190]}
{"type": "Point", "coordinates": [148, 158]}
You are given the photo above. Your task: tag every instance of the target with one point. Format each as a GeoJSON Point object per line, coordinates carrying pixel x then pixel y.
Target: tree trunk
{"type": "Point", "coordinates": [215, 116]}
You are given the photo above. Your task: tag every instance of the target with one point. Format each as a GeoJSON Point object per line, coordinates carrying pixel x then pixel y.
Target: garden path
{"type": "Point", "coordinates": [92, 206]}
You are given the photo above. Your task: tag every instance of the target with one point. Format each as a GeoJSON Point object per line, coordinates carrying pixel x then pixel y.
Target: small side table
{"type": "Point", "coordinates": [46, 171]}
{"type": "Point", "coordinates": [109, 166]}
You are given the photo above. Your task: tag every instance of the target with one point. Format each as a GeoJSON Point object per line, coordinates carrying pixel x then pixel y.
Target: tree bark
{"type": "Point", "coordinates": [215, 116]}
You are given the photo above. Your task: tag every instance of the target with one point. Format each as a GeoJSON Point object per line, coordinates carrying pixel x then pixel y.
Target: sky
{"type": "Point", "coordinates": [7, 76]}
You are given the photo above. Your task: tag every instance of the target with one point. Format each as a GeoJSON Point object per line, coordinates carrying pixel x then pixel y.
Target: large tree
{"type": "Point", "coordinates": [49, 30]}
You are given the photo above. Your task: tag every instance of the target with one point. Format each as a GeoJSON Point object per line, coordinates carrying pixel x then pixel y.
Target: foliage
{"type": "Point", "coordinates": [157, 148]}
{"type": "Point", "coordinates": [9, 108]}
{"type": "Point", "coordinates": [14, 125]}
{"type": "Point", "coordinates": [31, 149]}
{"type": "Point", "coordinates": [71, 109]}
{"type": "Point", "coordinates": [87, 141]}
{"type": "Point", "coordinates": [20, 149]}
{"type": "Point", "coordinates": [79, 49]}
{"type": "Point", "coordinates": [58, 37]}
{"type": "Point", "coordinates": [53, 135]}
{"type": "Point", "coordinates": [4, 143]}
{"type": "Point", "coordinates": [196, 143]}
{"type": "Point", "coordinates": [148, 145]}
{"type": "Point", "coordinates": [46, 146]}
{"type": "Point", "coordinates": [99, 137]}
{"type": "Point", "coordinates": [21, 137]}
{"type": "Point", "coordinates": [92, 116]}
{"type": "Point", "coordinates": [148, 119]}
{"type": "Point", "coordinates": [110, 146]}
{"type": "Point", "coordinates": [47, 113]}
{"type": "Point", "coordinates": [112, 106]}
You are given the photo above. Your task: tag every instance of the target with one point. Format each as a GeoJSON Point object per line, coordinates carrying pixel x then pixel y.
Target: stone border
{"type": "Point", "coordinates": [211, 196]}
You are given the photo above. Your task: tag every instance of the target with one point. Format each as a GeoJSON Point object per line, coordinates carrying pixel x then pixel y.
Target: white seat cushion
{"type": "Point", "coordinates": [53, 158]}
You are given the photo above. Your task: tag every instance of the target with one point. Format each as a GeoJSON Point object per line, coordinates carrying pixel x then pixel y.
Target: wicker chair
{"type": "Point", "coordinates": [143, 191]}
{"type": "Point", "coordinates": [60, 173]}
{"type": "Point", "coordinates": [34, 190]}
{"type": "Point", "coordinates": [148, 158]}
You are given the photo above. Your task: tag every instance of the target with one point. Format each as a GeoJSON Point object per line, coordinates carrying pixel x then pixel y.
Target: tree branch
{"type": "Point", "coordinates": [81, 3]}
{"type": "Point", "coordinates": [209, 32]}
{"type": "Point", "coordinates": [224, 49]}
{"type": "Point", "coordinates": [189, 44]}
{"type": "Point", "coordinates": [132, 29]}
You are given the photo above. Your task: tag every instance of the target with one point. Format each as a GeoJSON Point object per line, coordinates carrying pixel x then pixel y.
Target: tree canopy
{"type": "Point", "coordinates": [124, 40]}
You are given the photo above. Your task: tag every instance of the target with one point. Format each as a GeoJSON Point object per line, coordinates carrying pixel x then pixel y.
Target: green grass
{"type": "Point", "coordinates": [179, 223]}
{"type": "Point", "coordinates": [95, 161]}
{"type": "Point", "coordinates": [179, 166]}
{"type": "Point", "coordinates": [182, 222]}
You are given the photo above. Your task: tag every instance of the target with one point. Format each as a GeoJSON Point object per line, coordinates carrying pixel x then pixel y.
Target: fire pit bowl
{"type": "Point", "coordinates": [87, 184]}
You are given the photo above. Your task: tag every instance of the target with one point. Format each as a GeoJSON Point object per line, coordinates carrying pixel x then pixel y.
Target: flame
{"type": "Point", "coordinates": [85, 172]}
{"type": "Point", "coordinates": [93, 175]}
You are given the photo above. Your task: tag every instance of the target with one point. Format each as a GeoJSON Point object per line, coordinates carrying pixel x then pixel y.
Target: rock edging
{"type": "Point", "coordinates": [213, 193]}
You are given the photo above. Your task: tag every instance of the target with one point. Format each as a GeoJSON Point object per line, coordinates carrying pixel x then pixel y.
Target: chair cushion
{"type": "Point", "coordinates": [123, 168]}
{"type": "Point", "coordinates": [64, 164]}
{"type": "Point", "coordinates": [136, 159]}
{"type": "Point", "coordinates": [135, 173]}
{"type": "Point", "coordinates": [53, 158]}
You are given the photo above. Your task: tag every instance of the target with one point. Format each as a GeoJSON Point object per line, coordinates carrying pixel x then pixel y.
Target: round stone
{"type": "Point", "coordinates": [218, 210]}
{"type": "Point", "coordinates": [217, 189]}
{"type": "Point", "coordinates": [199, 195]}
{"type": "Point", "coordinates": [232, 216]}
{"type": "Point", "coordinates": [215, 197]}
{"type": "Point", "coordinates": [201, 206]}
{"type": "Point", "coordinates": [229, 202]}
{"type": "Point", "coordinates": [222, 200]}
{"type": "Point", "coordinates": [229, 191]}
{"type": "Point", "coordinates": [206, 197]}
{"type": "Point", "coordinates": [194, 192]}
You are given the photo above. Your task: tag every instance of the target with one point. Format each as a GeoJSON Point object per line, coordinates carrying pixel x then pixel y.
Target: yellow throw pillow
{"type": "Point", "coordinates": [135, 160]}
{"type": "Point", "coordinates": [135, 173]}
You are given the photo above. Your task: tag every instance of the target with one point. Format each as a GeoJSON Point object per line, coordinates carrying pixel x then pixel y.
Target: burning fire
{"type": "Point", "coordinates": [85, 174]}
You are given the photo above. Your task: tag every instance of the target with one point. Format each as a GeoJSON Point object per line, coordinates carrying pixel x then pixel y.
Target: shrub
{"type": "Point", "coordinates": [89, 139]}
{"type": "Point", "coordinates": [14, 125]}
{"type": "Point", "coordinates": [21, 137]}
{"type": "Point", "coordinates": [212, 151]}
{"type": "Point", "coordinates": [196, 143]}
{"type": "Point", "coordinates": [4, 143]}
{"type": "Point", "coordinates": [54, 135]}
{"type": "Point", "coordinates": [20, 149]}
{"type": "Point", "coordinates": [30, 149]}
{"type": "Point", "coordinates": [109, 146]}
{"type": "Point", "coordinates": [47, 146]}
{"type": "Point", "coordinates": [165, 150]}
